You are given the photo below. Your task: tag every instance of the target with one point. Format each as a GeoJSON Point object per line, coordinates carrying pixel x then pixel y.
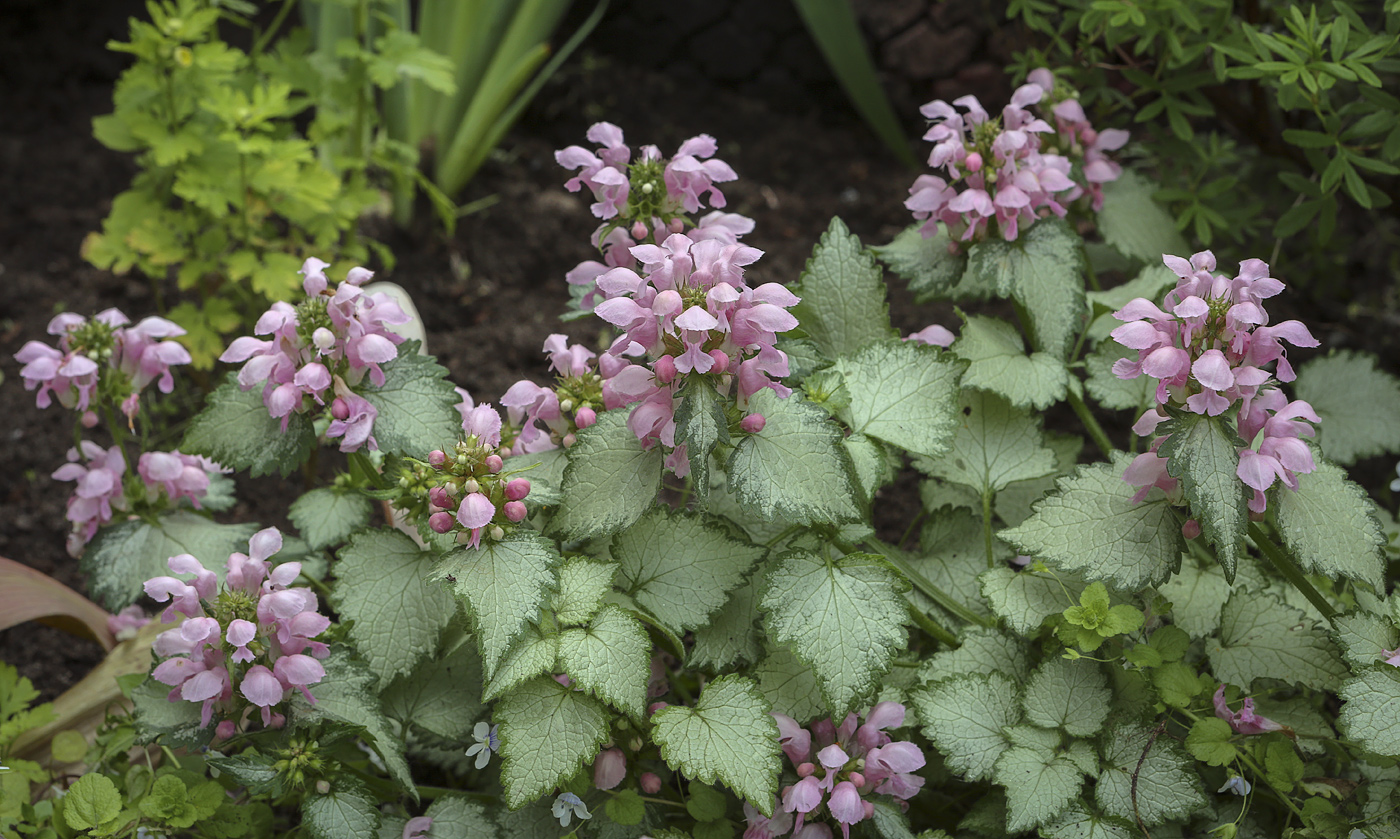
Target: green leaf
{"type": "Point", "coordinates": [904, 393]}
{"type": "Point", "coordinates": [1358, 403]}
{"type": "Point", "coordinates": [455, 817]}
{"type": "Point", "coordinates": [1167, 787]}
{"type": "Point", "coordinates": [1151, 282]}
{"type": "Point", "coordinates": [1044, 271]}
{"type": "Point", "coordinates": [1204, 453]}
{"type": "Point", "coordinates": [440, 696]}
{"type": "Point", "coordinates": [546, 473]}
{"type": "Point", "coordinates": [91, 801]}
{"type": "Point", "coordinates": [173, 723]}
{"type": "Point", "coordinates": [1209, 742]}
{"type": "Point", "coordinates": [122, 557]}
{"type": "Point", "coordinates": [382, 586]}
{"type": "Point", "coordinates": [1134, 223]}
{"type": "Point", "coordinates": [326, 517]}
{"type": "Point", "coordinates": [796, 467]}
{"type": "Point", "coordinates": [340, 813]}
{"type": "Point", "coordinates": [790, 686]}
{"type": "Point", "coordinates": [610, 659]}
{"type": "Point", "coordinates": [540, 712]}
{"type": "Point", "coordinates": [1091, 525]}
{"type": "Point", "coordinates": [729, 736]}
{"type": "Point", "coordinates": [417, 405]}
{"type": "Point", "coordinates": [1261, 637]}
{"type": "Point", "coordinates": [582, 584]}
{"type": "Point", "coordinates": [1109, 390]}
{"type": "Point", "coordinates": [995, 445]}
{"type": "Point", "coordinates": [1039, 786]}
{"type": "Point", "coordinates": [349, 693]}
{"type": "Point", "coordinates": [532, 654]}
{"type": "Point", "coordinates": [1368, 717]}
{"type": "Point", "coordinates": [998, 362]}
{"type": "Point", "coordinates": [1078, 823]}
{"type": "Point", "coordinates": [984, 650]}
{"type": "Point", "coordinates": [952, 552]}
{"type": "Point", "coordinates": [504, 585]}
{"type": "Point", "coordinates": [1327, 525]}
{"type": "Point", "coordinates": [626, 808]}
{"type": "Point", "coordinates": [1364, 639]}
{"type": "Point", "coordinates": [843, 304]}
{"type": "Point", "coordinates": [610, 480]}
{"type": "Point", "coordinates": [844, 618]}
{"type": "Point", "coordinates": [964, 718]}
{"type": "Point", "coordinates": [1072, 695]}
{"type": "Point", "coordinates": [731, 636]}
{"type": "Point", "coordinates": [705, 804]}
{"type": "Point", "coordinates": [68, 746]}
{"type": "Point", "coordinates": [235, 430]}
{"type": "Point", "coordinates": [700, 426]}
{"type": "Point", "coordinates": [1024, 599]}
{"type": "Point", "coordinates": [1282, 766]}
{"type": "Point", "coordinates": [1197, 594]}
{"type": "Point", "coordinates": [933, 273]}
{"type": "Point", "coordinates": [680, 566]}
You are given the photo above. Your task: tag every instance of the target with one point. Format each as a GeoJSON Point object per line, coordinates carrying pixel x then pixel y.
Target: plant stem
{"type": "Point", "coordinates": [930, 626]}
{"type": "Point", "coordinates": [272, 29]}
{"type": "Point", "coordinates": [1096, 432]}
{"type": "Point", "coordinates": [987, 527]}
{"type": "Point", "coordinates": [1290, 570]}
{"type": "Point", "coordinates": [929, 590]}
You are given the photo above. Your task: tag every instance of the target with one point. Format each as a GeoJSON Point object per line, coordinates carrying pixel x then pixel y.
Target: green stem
{"type": "Point", "coordinates": [930, 626]}
{"type": "Point", "coordinates": [272, 29]}
{"type": "Point", "coordinates": [1290, 571]}
{"type": "Point", "coordinates": [1259, 774]}
{"type": "Point", "coordinates": [1096, 432]}
{"type": "Point", "coordinates": [987, 527]}
{"type": "Point", "coordinates": [929, 590]}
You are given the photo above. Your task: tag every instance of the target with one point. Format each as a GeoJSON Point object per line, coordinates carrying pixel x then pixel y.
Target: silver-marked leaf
{"type": "Point", "coordinates": [997, 361]}
{"type": "Point", "coordinates": [124, 555]}
{"type": "Point", "coordinates": [1327, 525]}
{"type": "Point", "coordinates": [610, 658]}
{"type": "Point", "coordinates": [1135, 224]}
{"type": "Point", "coordinates": [1072, 695]}
{"type": "Point", "coordinates": [1078, 823]}
{"type": "Point", "coordinates": [1109, 390]}
{"type": "Point", "coordinates": [1167, 784]}
{"type": "Point", "coordinates": [700, 426]}
{"type": "Point", "coordinates": [350, 693]}
{"type": "Point", "coordinates": [441, 696]}
{"type": "Point", "coordinates": [995, 445]}
{"type": "Point", "coordinates": [731, 636]}
{"type": "Point", "coordinates": [582, 584]}
{"type": "Point", "coordinates": [843, 304]}
{"type": "Point", "coordinates": [790, 686]}
{"type": "Point", "coordinates": [1369, 717]}
{"type": "Point", "coordinates": [1197, 594]}
{"type": "Point", "coordinates": [953, 552]}
{"type": "Point", "coordinates": [1358, 403]}
{"type": "Point", "coordinates": [1364, 639]}
{"type": "Point", "coordinates": [1039, 786]}
{"type": "Point", "coordinates": [983, 650]}
{"type": "Point", "coordinates": [904, 393]}
{"type": "Point", "coordinates": [547, 731]}
{"type": "Point", "coordinates": [455, 817]}
{"type": "Point", "coordinates": [1261, 637]}
{"type": "Point", "coordinates": [964, 718]}
{"type": "Point", "coordinates": [417, 405]}
{"type": "Point", "coordinates": [1044, 271]}
{"type": "Point", "coordinates": [1150, 283]}
{"type": "Point", "coordinates": [545, 471]}
{"type": "Point", "coordinates": [610, 480]}
{"type": "Point", "coordinates": [933, 273]}
{"type": "Point", "coordinates": [1024, 599]}
{"type": "Point", "coordinates": [533, 654]}
{"type": "Point", "coordinates": [326, 517]}
{"type": "Point", "coordinates": [340, 813]}
{"type": "Point", "coordinates": [844, 618]}
{"type": "Point", "coordinates": [729, 736]}
{"type": "Point", "coordinates": [235, 430]}
{"type": "Point", "coordinates": [1204, 453]}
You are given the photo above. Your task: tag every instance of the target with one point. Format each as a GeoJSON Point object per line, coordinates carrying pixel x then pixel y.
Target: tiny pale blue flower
{"type": "Point", "coordinates": [486, 743]}
{"type": "Point", "coordinates": [568, 805]}
{"type": "Point", "coordinates": [1237, 785]}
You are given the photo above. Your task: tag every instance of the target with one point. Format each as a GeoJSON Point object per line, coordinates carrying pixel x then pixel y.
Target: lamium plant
{"type": "Point", "coordinates": [651, 597]}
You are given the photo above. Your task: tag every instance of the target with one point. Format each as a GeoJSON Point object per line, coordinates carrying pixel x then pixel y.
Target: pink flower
{"type": "Point", "coordinates": [417, 827]}
{"type": "Point", "coordinates": [99, 490]}
{"type": "Point", "coordinates": [609, 769]}
{"type": "Point", "coordinates": [1245, 720]}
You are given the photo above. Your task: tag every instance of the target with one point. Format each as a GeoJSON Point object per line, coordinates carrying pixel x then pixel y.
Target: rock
{"type": "Point", "coordinates": [924, 52]}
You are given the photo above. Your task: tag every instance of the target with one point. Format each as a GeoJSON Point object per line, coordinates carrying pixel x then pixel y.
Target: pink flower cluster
{"type": "Point", "coordinates": [132, 356]}
{"type": "Point", "coordinates": [253, 634]}
{"type": "Point", "coordinates": [1007, 171]}
{"type": "Point", "coordinates": [320, 351]}
{"type": "Point", "coordinates": [468, 492]}
{"type": "Point", "coordinates": [852, 761]}
{"type": "Point", "coordinates": [546, 418]}
{"type": "Point", "coordinates": [1208, 351]}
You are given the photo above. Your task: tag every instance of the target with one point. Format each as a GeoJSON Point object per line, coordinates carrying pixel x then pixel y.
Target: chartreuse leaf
{"type": "Point", "coordinates": [440, 696]}
{"type": "Point", "coordinates": [729, 736]}
{"type": "Point", "coordinates": [1197, 594]}
{"type": "Point", "coordinates": [610, 480]}
{"type": "Point", "coordinates": [454, 817]}
{"type": "Point", "coordinates": [1167, 785]}
{"type": "Point", "coordinates": [504, 585]}
{"type": "Point", "coordinates": [349, 693]}
{"type": "Point", "coordinates": [539, 713]}
{"type": "Point", "coordinates": [904, 393]}
{"type": "Point", "coordinates": [582, 584]}
{"type": "Point", "coordinates": [1024, 599]}
{"type": "Point", "coordinates": [700, 425]}
{"type": "Point", "coordinates": [122, 557]}
{"type": "Point", "coordinates": [1204, 454]}
{"type": "Point", "coordinates": [789, 686]}
{"type": "Point", "coordinates": [417, 405]}
{"type": "Point", "coordinates": [796, 467]}
{"type": "Point", "coordinates": [844, 618]}
{"type": "Point", "coordinates": [1359, 405]}
{"type": "Point", "coordinates": [731, 636]}
{"type": "Point", "coordinates": [680, 566]}
{"type": "Point", "coordinates": [235, 430]}
{"type": "Point", "coordinates": [327, 516]}
{"type": "Point", "coordinates": [843, 304]}
{"type": "Point", "coordinates": [964, 718]}
{"type": "Point", "coordinates": [340, 813]}
{"type": "Point", "coordinates": [382, 586]}
{"type": "Point", "coordinates": [626, 808]}
{"type": "Point", "coordinates": [1261, 637]}
{"type": "Point", "coordinates": [1209, 742]}
{"type": "Point", "coordinates": [91, 801]}
{"type": "Point", "coordinates": [1039, 785]}
{"type": "Point", "coordinates": [997, 361]}
{"type": "Point", "coordinates": [1044, 271]}
{"type": "Point", "coordinates": [1079, 823]}
{"type": "Point", "coordinates": [983, 650]}
{"type": "Point", "coordinates": [995, 444]}
{"type": "Point", "coordinates": [933, 273]}
{"type": "Point", "coordinates": [533, 654]}
{"type": "Point", "coordinates": [1327, 525]}
{"type": "Point", "coordinates": [1072, 695]}
{"type": "Point", "coordinates": [1369, 717]}
{"type": "Point", "coordinates": [1091, 525]}
{"type": "Point", "coordinates": [1364, 639]}
{"type": "Point", "coordinates": [1136, 225]}
{"type": "Point", "coordinates": [610, 658]}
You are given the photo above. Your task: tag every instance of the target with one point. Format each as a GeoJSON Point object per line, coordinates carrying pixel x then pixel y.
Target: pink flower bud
{"type": "Point", "coordinates": [517, 489]}
{"type": "Point", "coordinates": [1088, 136]}
{"type": "Point", "coordinates": [973, 162]}
{"type": "Point", "coordinates": [639, 232]}
{"type": "Point", "coordinates": [494, 463]}
{"type": "Point", "coordinates": [1191, 529]}
{"type": "Point", "coordinates": [436, 458]}
{"type": "Point", "coordinates": [869, 809]}
{"type": "Point", "coordinates": [857, 779]}
{"type": "Point", "coordinates": [515, 510]}
{"type": "Point", "coordinates": [440, 522]}
{"type": "Point", "coordinates": [721, 361]}
{"type": "Point", "coordinates": [676, 226]}
{"type": "Point", "coordinates": [650, 783]}
{"type": "Point", "coordinates": [665, 369]}
{"type": "Point", "coordinates": [225, 730]}
{"type": "Point", "coordinates": [753, 423]}
{"type": "Point", "coordinates": [568, 441]}
{"type": "Point", "coordinates": [585, 417]}
{"type": "Point", "coordinates": [340, 409]}
{"type": "Point", "coordinates": [438, 497]}
{"type": "Point", "coordinates": [805, 769]}
{"type": "Point", "coordinates": [656, 706]}
{"type": "Point", "coordinates": [609, 769]}
{"type": "Point", "coordinates": [89, 419]}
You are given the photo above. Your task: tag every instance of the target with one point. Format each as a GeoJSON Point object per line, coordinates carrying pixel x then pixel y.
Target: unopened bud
{"type": "Point", "coordinates": [805, 769]}
{"type": "Point", "coordinates": [323, 787]}
{"type": "Point", "coordinates": [973, 162]}
{"type": "Point", "coordinates": [89, 419]}
{"type": "Point", "coordinates": [515, 510]}
{"type": "Point", "coordinates": [650, 783]}
{"type": "Point", "coordinates": [567, 405]}
{"type": "Point", "coordinates": [225, 730]}
{"type": "Point", "coordinates": [1088, 136]}
{"type": "Point", "coordinates": [494, 463]}
{"type": "Point", "coordinates": [857, 779]}
{"type": "Point", "coordinates": [676, 226]}
{"type": "Point", "coordinates": [568, 441]}
{"type": "Point", "coordinates": [647, 188]}
{"type": "Point", "coordinates": [869, 808]}
{"type": "Point", "coordinates": [635, 744]}
{"type": "Point", "coordinates": [496, 533]}
{"type": "Point", "coordinates": [721, 361]}
{"type": "Point", "coordinates": [517, 489]}
{"type": "Point", "coordinates": [324, 339]}
{"type": "Point", "coordinates": [656, 706]}
{"type": "Point", "coordinates": [665, 369]}
{"type": "Point", "coordinates": [753, 423]}
{"type": "Point", "coordinates": [440, 522]}
{"type": "Point", "coordinates": [436, 458]}
{"type": "Point", "coordinates": [340, 409]}
{"type": "Point", "coordinates": [585, 417]}
{"type": "Point", "coordinates": [1191, 529]}
{"type": "Point", "coordinates": [639, 231]}
{"type": "Point", "coordinates": [470, 486]}
{"type": "Point", "coordinates": [439, 497]}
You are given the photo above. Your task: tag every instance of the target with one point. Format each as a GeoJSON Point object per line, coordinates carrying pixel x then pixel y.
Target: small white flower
{"type": "Point", "coordinates": [1237, 785]}
{"type": "Point", "coordinates": [486, 743]}
{"type": "Point", "coordinates": [1395, 484]}
{"type": "Point", "coordinates": [568, 805]}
